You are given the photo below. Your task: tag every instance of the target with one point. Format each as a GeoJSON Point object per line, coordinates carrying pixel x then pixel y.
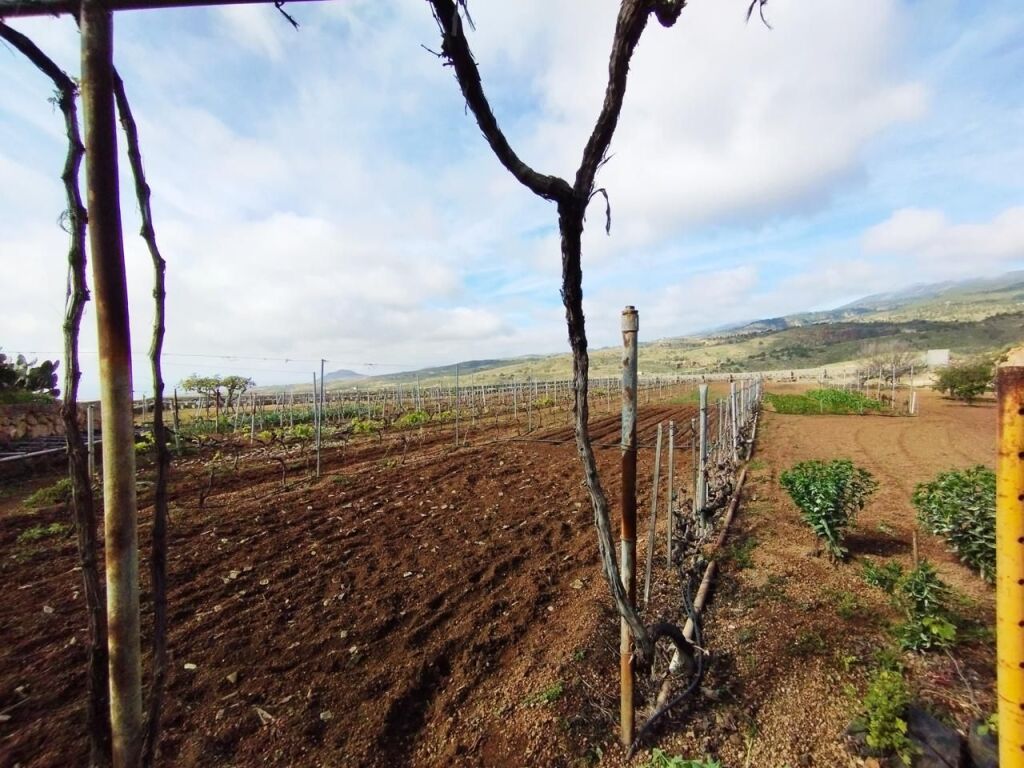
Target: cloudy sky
{"type": "Point", "coordinates": [323, 193]}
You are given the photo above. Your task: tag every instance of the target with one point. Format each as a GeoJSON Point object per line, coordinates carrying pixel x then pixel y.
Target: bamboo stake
{"type": "Point", "coordinates": [627, 541]}
{"type": "Point", "coordinates": [654, 518]}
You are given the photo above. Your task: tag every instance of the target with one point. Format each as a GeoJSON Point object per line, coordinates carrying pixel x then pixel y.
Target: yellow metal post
{"type": "Point", "coordinates": [1010, 560]}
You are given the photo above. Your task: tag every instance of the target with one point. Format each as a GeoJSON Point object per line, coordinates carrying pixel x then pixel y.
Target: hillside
{"type": "Point", "coordinates": [967, 317]}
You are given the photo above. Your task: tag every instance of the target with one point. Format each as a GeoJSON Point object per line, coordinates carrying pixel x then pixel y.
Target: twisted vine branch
{"type": "Point", "coordinates": [572, 203]}
{"type": "Point", "coordinates": [158, 557]}
{"type": "Point", "coordinates": [82, 503]}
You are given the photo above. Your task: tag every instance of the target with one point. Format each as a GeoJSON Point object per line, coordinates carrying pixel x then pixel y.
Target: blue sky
{"type": "Point", "coordinates": [323, 193]}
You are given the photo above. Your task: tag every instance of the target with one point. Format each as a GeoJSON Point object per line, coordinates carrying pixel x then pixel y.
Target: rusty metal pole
{"type": "Point", "coordinates": [627, 539]}
{"type": "Point", "coordinates": [110, 294]}
{"type": "Point", "coordinates": [1010, 559]}
{"type": "Point", "coordinates": [701, 491]}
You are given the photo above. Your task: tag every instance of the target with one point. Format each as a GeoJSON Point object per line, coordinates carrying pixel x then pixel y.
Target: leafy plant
{"type": "Point", "coordinates": [835, 401]}
{"type": "Point", "coordinates": [923, 596]}
{"type": "Point", "coordinates": [885, 576]}
{"type": "Point", "coordinates": [548, 695]}
{"type": "Point", "coordinates": [58, 493]}
{"type": "Point", "coordinates": [412, 419]}
{"type": "Point", "coordinates": [884, 713]}
{"type": "Point", "coordinates": [37, 532]}
{"type": "Point", "coordinates": [960, 506]}
{"type": "Point", "coordinates": [661, 759]}
{"type": "Point", "coordinates": [23, 380]}
{"type": "Point", "coordinates": [366, 426]}
{"type": "Point", "coordinates": [829, 495]}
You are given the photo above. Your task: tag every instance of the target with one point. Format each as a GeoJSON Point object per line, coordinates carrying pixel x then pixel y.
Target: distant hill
{"type": "Point", "coordinates": [965, 300]}
{"type": "Point", "coordinates": [343, 375]}
{"type": "Point", "coordinates": [967, 317]}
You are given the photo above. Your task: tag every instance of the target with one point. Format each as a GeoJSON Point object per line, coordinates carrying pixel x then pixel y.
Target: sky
{"type": "Point", "coordinates": [323, 193]}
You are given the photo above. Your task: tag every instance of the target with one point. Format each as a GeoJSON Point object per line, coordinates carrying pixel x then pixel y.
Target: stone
{"type": "Point", "coordinates": [982, 746]}
{"type": "Point", "coordinates": [232, 677]}
{"type": "Point", "coordinates": [936, 745]}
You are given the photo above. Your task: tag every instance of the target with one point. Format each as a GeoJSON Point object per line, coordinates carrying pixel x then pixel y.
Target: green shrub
{"type": "Point", "coordinates": [967, 380]}
{"type": "Point", "coordinates": [960, 506]}
{"type": "Point", "coordinates": [58, 493]}
{"type": "Point", "coordinates": [836, 401]}
{"type": "Point", "coordinates": [885, 715]}
{"type": "Point", "coordinates": [412, 419]}
{"type": "Point", "coordinates": [829, 495]}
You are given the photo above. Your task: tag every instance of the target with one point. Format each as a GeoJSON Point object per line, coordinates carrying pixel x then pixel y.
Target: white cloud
{"type": "Point", "coordinates": [947, 248]}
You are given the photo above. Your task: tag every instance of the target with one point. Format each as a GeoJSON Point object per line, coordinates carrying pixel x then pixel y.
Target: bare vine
{"type": "Point", "coordinates": [82, 501]}
{"type": "Point", "coordinates": [158, 557]}
{"type": "Point", "coordinates": [571, 201]}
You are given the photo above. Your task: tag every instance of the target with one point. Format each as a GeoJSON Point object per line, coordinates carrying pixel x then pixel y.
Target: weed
{"type": "Point", "coordinates": [848, 606]}
{"type": "Point", "coordinates": [37, 532]}
{"type": "Point", "coordinates": [885, 576]}
{"type": "Point", "coordinates": [884, 712]}
{"type": "Point", "coordinates": [661, 759]}
{"type": "Point", "coordinates": [923, 596]}
{"type": "Point", "coordinates": [547, 695]}
{"type": "Point", "coordinates": [829, 495]}
{"type": "Point", "coordinates": [579, 654]}
{"type": "Point", "coordinates": [741, 553]}
{"type": "Point", "coordinates": [809, 644]}
{"type": "Point", "coordinates": [58, 493]}
{"type": "Point", "coordinates": [746, 635]}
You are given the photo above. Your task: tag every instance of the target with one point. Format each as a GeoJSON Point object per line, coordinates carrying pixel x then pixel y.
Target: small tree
{"type": "Point", "coordinates": [236, 386]}
{"type": "Point", "coordinates": [960, 506]}
{"type": "Point", "coordinates": [966, 380]}
{"type": "Point", "coordinates": [207, 387]}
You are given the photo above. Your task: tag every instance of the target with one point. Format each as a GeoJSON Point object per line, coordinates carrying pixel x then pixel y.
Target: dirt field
{"type": "Point", "coordinates": [794, 635]}
{"type": "Point", "coordinates": [449, 610]}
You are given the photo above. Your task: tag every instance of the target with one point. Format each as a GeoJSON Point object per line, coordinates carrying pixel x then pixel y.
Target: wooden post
{"type": "Point", "coordinates": [456, 405]}
{"type": "Point", "coordinates": [671, 488]}
{"type": "Point", "coordinates": [1010, 558]}
{"type": "Point", "coordinates": [90, 439]}
{"type": "Point", "coordinates": [627, 539]}
{"type": "Point", "coordinates": [110, 294]}
{"type": "Point", "coordinates": [701, 491]}
{"type": "Point", "coordinates": [733, 420]}
{"type": "Point", "coordinates": [654, 518]}
{"type": "Point", "coordinates": [320, 416]}
{"type": "Point", "coordinates": [177, 426]}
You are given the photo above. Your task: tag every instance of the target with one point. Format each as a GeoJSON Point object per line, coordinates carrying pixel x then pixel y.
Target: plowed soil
{"type": "Point", "coordinates": [426, 606]}
{"type": "Point", "coordinates": [418, 605]}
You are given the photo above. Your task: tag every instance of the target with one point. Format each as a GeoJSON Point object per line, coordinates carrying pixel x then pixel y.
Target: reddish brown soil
{"type": "Point", "coordinates": [447, 608]}
{"type": "Point", "coordinates": [796, 637]}
{"type": "Point", "coordinates": [403, 610]}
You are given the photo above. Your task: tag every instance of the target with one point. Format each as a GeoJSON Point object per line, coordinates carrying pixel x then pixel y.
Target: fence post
{"type": "Point", "coordinates": [1010, 558]}
{"type": "Point", "coordinates": [110, 294]}
{"type": "Point", "coordinates": [320, 417]}
{"type": "Point", "coordinates": [90, 440]}
{"type": "Point", "coordinates": [702, 451]}
{"type": "Point", "coordinates": [654, 518]}
{"type": "Point", "coordinates": [177, 427]}
{"type": "Point", "coordinates": [671, 487]}
{"type": "Point", "coordinates": [627, 540]}
{"type": "Point", "coordinates": [456, 405]}
{"type": "Point", "coordinates": [734, 424]}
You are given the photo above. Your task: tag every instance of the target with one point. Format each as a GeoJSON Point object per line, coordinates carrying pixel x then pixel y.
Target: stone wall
{"type": "Point", "coordinates": [27, 420]}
